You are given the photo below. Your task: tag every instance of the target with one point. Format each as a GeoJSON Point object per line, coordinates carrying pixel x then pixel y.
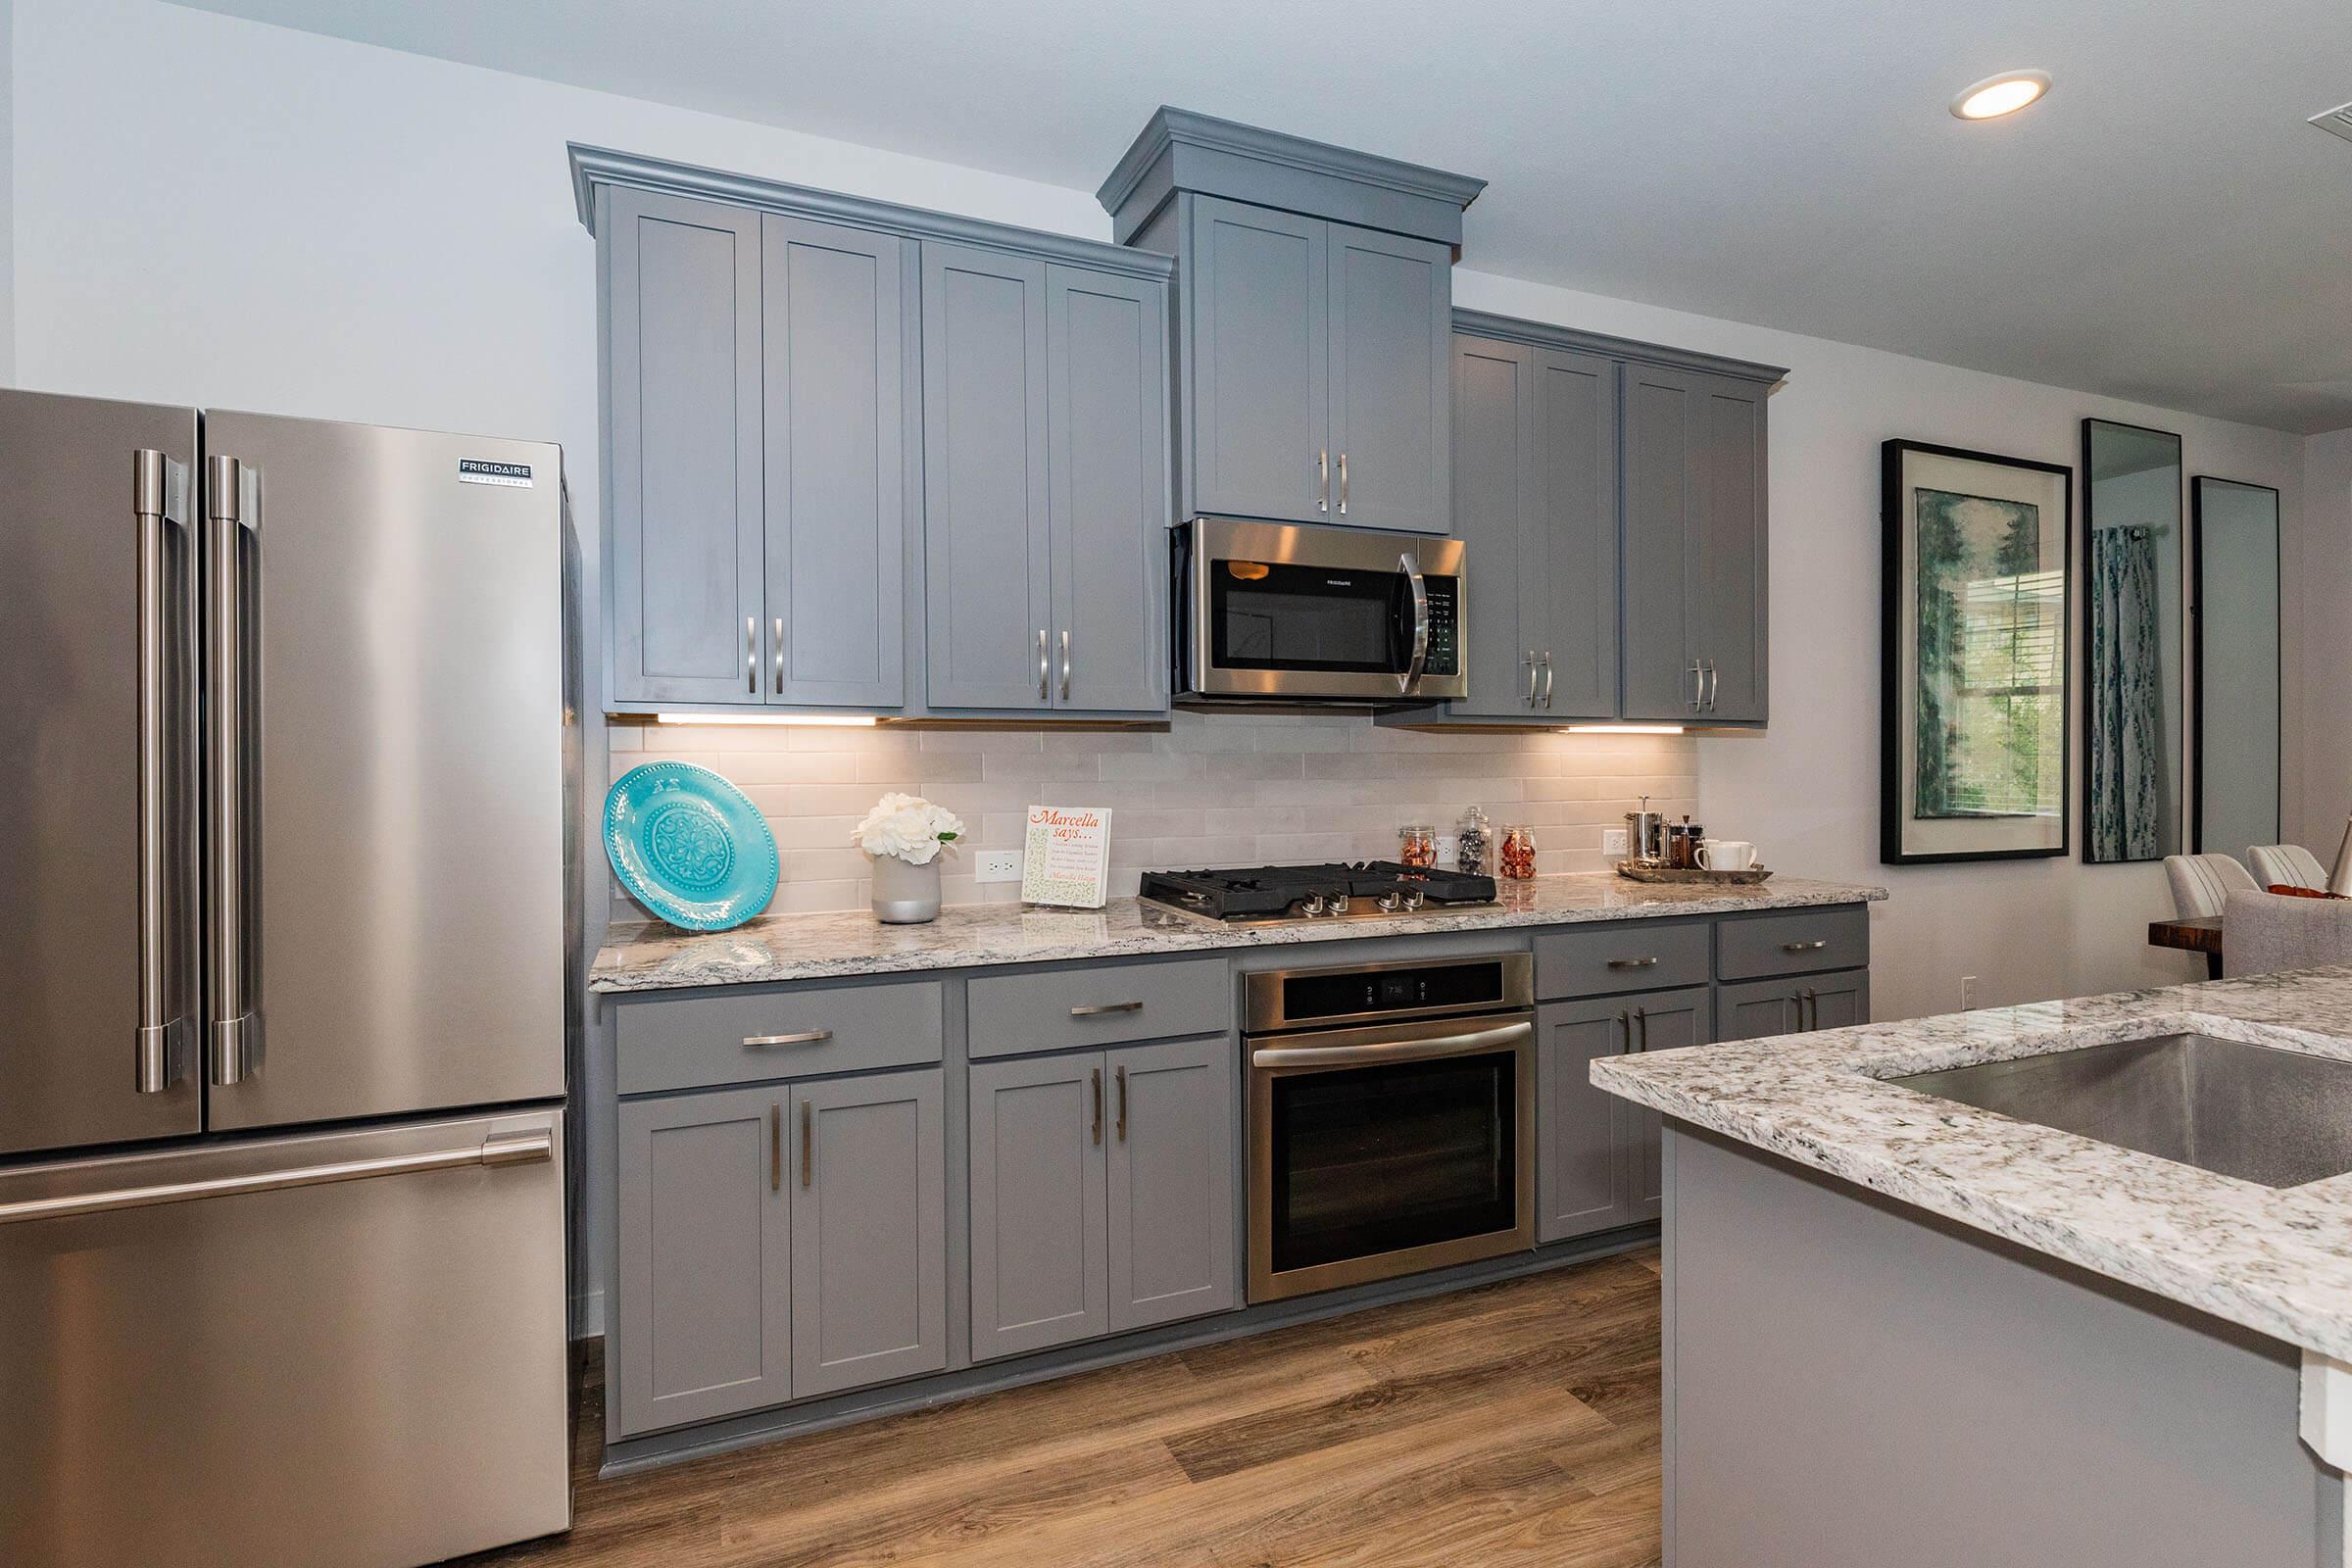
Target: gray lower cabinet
{"type": "Point", "coordinates": [1174, 1162]}
{"type": "Point", "coordinates": [869, 1230]}
{"type": "Point", "coordinates": [1317, 380]}
{"type": "Point", "coordinates": [683, 374]}
{"type": "Point", "coordinates": [1695, 538]}
{"type": "Point", "coordinates": [1102, 1192]}
{"type": "Point", "coordinates": [1039, 1202]}
{"type": "Point", "coordinates": [1580, 1167]}
{"type": "Point", "coordinates": [1757, 1010]}
{"type": "Point", "coordinates": [703, 1324]}
{"type": "Point", "coordinates": [1045, 502]}
{"type": "Point", "coordinates": [1660, 1020]}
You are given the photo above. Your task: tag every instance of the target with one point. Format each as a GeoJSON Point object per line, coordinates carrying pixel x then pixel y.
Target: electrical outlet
{"type": "Point", "coordinates": [1612, 841]}
{"type": "Point", "coordinates": [997, 865]}
{"type": "Point", "coordinates": [1968, 993]}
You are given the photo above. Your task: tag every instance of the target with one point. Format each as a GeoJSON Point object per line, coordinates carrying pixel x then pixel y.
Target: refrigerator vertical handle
{"type": "Point", "coordinates": [158, 498]}
{"type": "Point", "coordinates": [235, 1029]}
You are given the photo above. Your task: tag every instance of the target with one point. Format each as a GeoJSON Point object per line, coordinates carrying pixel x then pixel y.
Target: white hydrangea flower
{"type": "Point", "coordinates": [909, 828]}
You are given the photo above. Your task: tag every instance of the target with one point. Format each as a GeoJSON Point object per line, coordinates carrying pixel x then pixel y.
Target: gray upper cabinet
{"type": "Point", "coordinates": [682, 325]}
{"type": "Point", "coordinates": [869, 1230]}
{"type": "Point", "coordinates": [834, 630]}
{"type": "Point", "coordinates": [1534, 497]}
{"type": "Point", "coordinates": [1257, 383]}
{"type": "Point", "coordinates": [1694, 547]}
{"type": "Point", "coordinates": [1174, 1160]}
{"type": "Point", "coordinates": [984, 478]}
{"type": "Point", "coordinates": [1108, 503]}
{"type": "Point", "coordinates": [1391, 385]}
{"type": "Point", "coordinates": [1039, 1203]}
{"type": "Point", "coordinates": [703, 1323]}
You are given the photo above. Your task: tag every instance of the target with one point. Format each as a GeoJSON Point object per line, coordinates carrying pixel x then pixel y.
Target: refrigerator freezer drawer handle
{"type": "Point", "coordinates": [521, 1149]}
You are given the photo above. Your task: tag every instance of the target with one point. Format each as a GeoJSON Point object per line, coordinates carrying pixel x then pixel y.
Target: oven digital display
{"type": "Point", "coordinates": [1347, 994]}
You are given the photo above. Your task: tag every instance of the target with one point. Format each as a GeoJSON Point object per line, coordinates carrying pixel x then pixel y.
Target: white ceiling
{"type": "Point", "coordinates": [2164, 226]}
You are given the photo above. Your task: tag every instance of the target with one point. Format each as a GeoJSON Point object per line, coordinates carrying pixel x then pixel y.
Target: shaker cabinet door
{"type": "Point", "coordinates": [1727, 610]}
{"type": "Point", "coordinates": [1107, 489]}
{"type": "Point", "coordinates": [1662, 677]}
{"type": "Point", "coordinates": [1392, 382]}
{"type": "Point", "coordinates": [835, 417]}
{"type": "Point", "coordinates": [1173, 1164]}
{"type": "Point", "coordinates": [1567, 580]}
{"type": "Point", "coordinates": [1038, 1204]}
{"type": "Point", "coordinates": [683, 363]}
{"type": "Point", "coordinates": [1581, 1168]}
{"type": "Point", "coordinates": [705, 1316]}
{"type": "Point", "coordinates": [1258, 395]}
{"type": "Point", "coordinates": [1838, 1000]}
{"type": "Point", "coordinates": [986, 526]}
{"type": "Point", "coordinates": [1757, 1010]}
{"type": "Point", "coordinates": [1494, 506]}
{"type": "Point", "coordinates": [867, 1178]}
{"type": "Point", "coordinates": [1662, 1020]}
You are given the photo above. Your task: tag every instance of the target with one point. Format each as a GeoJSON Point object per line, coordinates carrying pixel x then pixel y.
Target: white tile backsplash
{"type": "Point", "coordinates": [1217, 789]}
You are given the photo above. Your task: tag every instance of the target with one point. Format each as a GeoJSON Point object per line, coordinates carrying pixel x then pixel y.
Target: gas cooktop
{"type": "Point", "coordinates": [1271, 895]}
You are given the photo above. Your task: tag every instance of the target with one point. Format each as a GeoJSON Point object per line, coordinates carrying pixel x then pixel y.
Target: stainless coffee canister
{"type": "Point", "coordinates": [1644, 834]}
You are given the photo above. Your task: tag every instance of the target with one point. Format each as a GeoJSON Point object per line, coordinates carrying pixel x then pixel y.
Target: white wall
{"type": "Point", "coordinates": [1808, 790]}
{"type": "Point", "coordinates": [213, 211]}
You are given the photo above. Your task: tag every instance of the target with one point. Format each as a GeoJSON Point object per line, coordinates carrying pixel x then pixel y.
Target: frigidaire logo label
{"type": "Point", "coordinates": [481, 471]}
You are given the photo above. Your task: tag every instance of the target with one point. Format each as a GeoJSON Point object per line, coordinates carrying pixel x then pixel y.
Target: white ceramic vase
{"type": "Point", "coordinates": [903, 893]}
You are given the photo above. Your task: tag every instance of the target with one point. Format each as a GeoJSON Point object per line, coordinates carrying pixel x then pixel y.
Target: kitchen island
{"type": "Point", "coordinates": [1903, 1329]}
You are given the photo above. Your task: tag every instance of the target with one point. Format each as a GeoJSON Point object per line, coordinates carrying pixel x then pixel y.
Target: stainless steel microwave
{"type": "Point", "coordinates": [1281, 612]}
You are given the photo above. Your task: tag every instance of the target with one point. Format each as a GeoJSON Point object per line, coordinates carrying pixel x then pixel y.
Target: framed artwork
{"type": "Point", "coordinates": [1976, 666]}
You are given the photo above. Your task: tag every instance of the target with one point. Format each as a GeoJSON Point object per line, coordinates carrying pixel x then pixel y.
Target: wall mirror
{"type": "Point", "coordinates": [2133, 566]}
{"type": "Point", "coordinates": [2234, 547]}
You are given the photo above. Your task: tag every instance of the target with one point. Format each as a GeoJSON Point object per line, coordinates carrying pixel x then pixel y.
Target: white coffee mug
{"type": "Point", "coordinates": [1727, 855]}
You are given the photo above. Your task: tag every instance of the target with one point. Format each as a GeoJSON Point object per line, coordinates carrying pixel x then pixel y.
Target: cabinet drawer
{"type": "Point", "coordinates": [1013, 1013]}
{"type": "Point", "coordinates": [1799, 942]}
{"type": "Point", "coordinates": [1632, 955]}
{"type": "Point", "coordinates": [688, 1042]}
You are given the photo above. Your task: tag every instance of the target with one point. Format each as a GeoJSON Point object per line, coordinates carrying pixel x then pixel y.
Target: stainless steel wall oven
{"type": "Point", "coordinates": [1391, 1119]}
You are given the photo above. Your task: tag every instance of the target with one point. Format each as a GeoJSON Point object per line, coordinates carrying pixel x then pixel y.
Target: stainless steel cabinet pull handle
{"type": "Point", "coordinates": [1814, 945]}
{"type": "Point", "coordinates": [1065, 667]}
{"type": "Point", "coordinates": [1044, 665]}
{"type": "Point", "coordinates": [806, 1036]}
{"type": "Point", "coordinates": [1534, 672]}
{"type": "Point", "coordinates": [1813, 1006]}
{"type": "Point", "coordinates": [1642, 1022]}
{"type": "Point", "coordinates": [807, 1144]}
{"type": "Point", "coordinates": [750, 654]}
{"type": "Point", "coordinates": [775, 1148]}
{"type": "Point", "coordinates": [1323, 475]}
{"type": "Point", "coordinates": [516, 1148]}
{"type": "Point", "coordinates": [1547, 677]}
{"type": "Point", "coordinates": [1624, 1022]}
{"type": "Point", "coordinates": [1343, 484]}
{"type": "Point", "coordinates": [236, 1027]}
{"type": "Point", "coordinates": [1714, 684]}
{"type": "Point", "coordinates": [1122, 1104]}
{"type": "Point", "coordinates": [157, 490]}
{"type": "Point", "coordinates": [1096, 1075]}
{"type": "Point", "coordinates": [1094, 1009]}
{"type": "Point", "coordinates": [779, 638]}
{"type": "Point", "coordinates": [1649, 963]}
{"type": "Point", "coordinates": [1699, 686]}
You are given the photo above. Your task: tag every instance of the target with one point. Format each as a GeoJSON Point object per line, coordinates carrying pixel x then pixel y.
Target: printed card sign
{"type": "Point", "coordinates": [1066, 857]}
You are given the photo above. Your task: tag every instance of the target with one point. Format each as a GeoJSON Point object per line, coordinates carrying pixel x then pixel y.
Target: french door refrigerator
{"type": "Point", "coordinates": [285, 893]}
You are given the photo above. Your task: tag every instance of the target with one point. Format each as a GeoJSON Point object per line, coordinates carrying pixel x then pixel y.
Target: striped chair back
{"type": "Point", "coordinates": [2202, 883]}
{"type": "Point", "coordinates": [2288, 866]}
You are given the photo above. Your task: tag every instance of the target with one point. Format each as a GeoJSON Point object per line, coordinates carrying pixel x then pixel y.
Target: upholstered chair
{"type": "Point", "coordinates": [2288, 865]}
{"type": "Point", "coordinates": [2263, 933]}
{"type": "Point", "coordinates": [2202, 883]}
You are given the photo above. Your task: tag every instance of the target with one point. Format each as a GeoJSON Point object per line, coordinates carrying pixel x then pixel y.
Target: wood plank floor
{"type": "Point", "coordinates": [1516, 1423]}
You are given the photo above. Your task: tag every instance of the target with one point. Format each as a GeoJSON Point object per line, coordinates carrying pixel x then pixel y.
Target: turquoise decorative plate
{"type": "Point", "coordinates": [689, 847]}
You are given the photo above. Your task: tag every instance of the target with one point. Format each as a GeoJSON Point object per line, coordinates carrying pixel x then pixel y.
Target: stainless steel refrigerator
{"type": "Point", "coordinates": [285, 985]}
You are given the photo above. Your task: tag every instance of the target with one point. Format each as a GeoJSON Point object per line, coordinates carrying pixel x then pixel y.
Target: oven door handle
{"type": "Point", "coordinates": [1411, 567]}
{"type": "Point", "coordinates": [1477, 1040]}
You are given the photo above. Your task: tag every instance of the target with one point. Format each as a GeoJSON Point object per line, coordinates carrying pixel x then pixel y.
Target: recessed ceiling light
{"type": "Point", "coordinates": [1999, 95]}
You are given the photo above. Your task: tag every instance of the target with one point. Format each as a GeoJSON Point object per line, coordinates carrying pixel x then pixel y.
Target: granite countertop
{"type": "Point", "coordinates": [2276, 1260]}
{"type": "Point", "coordinates": [816, 947]}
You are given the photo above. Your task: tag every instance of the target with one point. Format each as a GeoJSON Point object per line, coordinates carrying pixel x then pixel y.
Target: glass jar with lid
{"type": "Point", "coordinates": [1474, 844]}
{"type": "Point", "coordinates": [1515, 859]}
{"type": "Point", "coordinates": [1417, 846]}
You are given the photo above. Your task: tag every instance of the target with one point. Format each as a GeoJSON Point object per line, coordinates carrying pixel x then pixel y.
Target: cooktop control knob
{"type": "Point", "coordinates": [1336, 902]}
{"type": "Point", "coordinates": [1390, 900]}
{"type": "Point", "coordinates": [1412, 900]}
{"type": "Point", "coordinates": [1311, 904]}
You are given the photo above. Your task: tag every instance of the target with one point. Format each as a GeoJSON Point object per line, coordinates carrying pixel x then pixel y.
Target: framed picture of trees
{"type": "Point", "coordinates": [1978, 672]}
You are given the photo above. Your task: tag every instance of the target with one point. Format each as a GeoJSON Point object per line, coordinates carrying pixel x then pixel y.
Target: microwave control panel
{"type": "Point", "coordinates": [1445, 627]}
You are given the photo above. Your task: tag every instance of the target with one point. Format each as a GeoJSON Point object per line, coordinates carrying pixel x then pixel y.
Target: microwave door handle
{"type": "Point", "coordinates": [1419, 585]}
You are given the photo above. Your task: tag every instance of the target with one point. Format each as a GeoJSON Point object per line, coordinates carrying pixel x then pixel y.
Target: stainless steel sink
{"type": "Point", "coordinates": [2277, 1117]}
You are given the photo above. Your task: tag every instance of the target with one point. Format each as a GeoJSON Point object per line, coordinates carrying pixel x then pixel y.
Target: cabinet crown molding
{"type": "Point", "coordinates": [591, 166]}
{"type": "Point", "coordinates": [1542, 335]}
{"type": "Point", "coordinates": [1181, 150]}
